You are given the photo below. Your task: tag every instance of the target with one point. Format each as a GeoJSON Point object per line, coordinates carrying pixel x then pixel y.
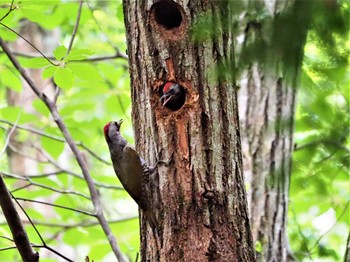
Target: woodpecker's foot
{"type": "Point", "coordinates": [153, 168]}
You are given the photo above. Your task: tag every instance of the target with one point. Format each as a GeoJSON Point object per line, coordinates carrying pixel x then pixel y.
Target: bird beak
{"type": "Point", "coordinates": [166, 98]}
{"type": "Point", "coordinates": [118, 124]}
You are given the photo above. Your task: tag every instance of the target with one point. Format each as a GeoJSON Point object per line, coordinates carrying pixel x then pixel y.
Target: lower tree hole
{"type": "Point", "coordinates": [167, 14]}
{"type": "Point", "coordinates": [173, 96]}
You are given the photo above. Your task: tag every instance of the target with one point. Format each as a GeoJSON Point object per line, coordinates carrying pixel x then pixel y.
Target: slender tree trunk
{"type": "Point", "coordinates": [347, 250]}
{"type": "Point", "coordinates": [198, 200]}
{"type": "Point", "coordinates": [267, 101]}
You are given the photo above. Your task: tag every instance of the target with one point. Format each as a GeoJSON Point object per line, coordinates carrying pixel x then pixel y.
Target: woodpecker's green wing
{"type": "Point", "coordinates": [132, 173]}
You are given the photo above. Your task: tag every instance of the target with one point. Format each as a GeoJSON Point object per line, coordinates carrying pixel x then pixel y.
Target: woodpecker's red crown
{"type": "Point", "coordinates": [105, 129]}
{"type": "Point", "coordinates": [167, 87]}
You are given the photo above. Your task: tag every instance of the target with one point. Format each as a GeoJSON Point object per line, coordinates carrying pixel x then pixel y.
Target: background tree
{"type": "Point", "coordinates": [94, 89]}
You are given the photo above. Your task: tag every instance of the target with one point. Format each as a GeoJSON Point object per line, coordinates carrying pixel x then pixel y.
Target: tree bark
{"type": "Point", "coordinates": [266, 109]}
{"type": "Point", "coordinates": [199, 200]}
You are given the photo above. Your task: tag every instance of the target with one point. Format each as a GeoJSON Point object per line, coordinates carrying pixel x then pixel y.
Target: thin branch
{"type": "Point", "coordinates": [20, 152]}
{"type": "Point", "coordinates": [29, 43]}
{"type": "Point", "coordinates": [20, 188]}
{"type": "Point", "coordinates": [7, 238]}
{"type": "Point", "coordinates": [301, 232]}
{"type": "Point", "coordinates": [79, 157]}
{"type": "Point", "coordinates": [118, 53]}
{"type": "Point", "coordinates": [13, 128]}
{"type": "Point", "coordinates": [102, 58]}
{"type": "Point", "coordinates": [31, 222]}
{"type": "Point", "coordinates": [56, 138]}
{"type": "Point", "coordinates": [59, 172]}
{"type": "Point", "coordinates": [9, 11]}
{"type": "Point", "coordinates": [53, 251]}
{"type": "Point", "coordinates": [55, 205]}
{"type": "Point", "coordinates": [323, 141]}
{"type": "Point", "coordinates": [7, 248]}
{"type": "Point", "coordinates": [14, 222]}
{"type": "Point", "coordinates": [38, 233]}
{"type": "Point", "coordinates": [75, 30]}
{"type": "Point", "coordinates": [338, 219]}
{"type": "Point", "coordinates": [68, 192]}
{"type": "Point", "coordinates": [86, 223]}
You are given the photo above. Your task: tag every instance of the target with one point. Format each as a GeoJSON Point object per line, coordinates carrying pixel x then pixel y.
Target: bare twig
{"type": "Point", "coordinates": [55, 205]}
{"type": "Point", "coordinates": [29, 43]}
{"type": "Point", "coordinates": [9, 11]}
{"type": "Point", "coordinates": [86, 223]}
{"type": "Point", "coordinates": [53, 251]}
{"type": "Point", "coordinates": [7, 248]}
{"type": "Point", "coordinates": [13, 220]}
{"type": "Point", "coordinates": [334, 143]}
{"type": "Point", "coordinates": [13, 128]}
{"type": "Point", "coordinates": [118, 54]}
{"type": "Point", "coordinates": [338, 219]}
{"type": "Point", "coordinates": [32, 183]}
{"type": "Point", "coordinates": [21, 153]}
{"type": "Point", "coordinates": [62, 171]}
{"type": "Point", "coordinates": [57, 118]}
{"type": "Point", "coordinates": [75, 30]}
{"type": "Point", "coordinates": [38, 233]}
{"type": "Point", "coordinates": [7, 238]}
{"type": "Point", "coordinates": [308, 253]}
{"type": "Point", "coordinates": [56, 138]}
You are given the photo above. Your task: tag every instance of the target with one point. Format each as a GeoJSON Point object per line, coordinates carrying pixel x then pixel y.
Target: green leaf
{"type": "Point", "coordinates": [120, 13]}
{"type": "Point", "coordinates": [49, 72]}
{"type": "Point", "coordinates": [53, 147]}
{"type": "Point", "coordinates": [60, 52]}
{"type": "Point", "coordinates": [78, 54]}
{"type": "Point", "coordinates": [41, 107]}
{"type": "Point", "coordinates": [85, 72]}
{"type": "Point", "coordinates": [9, 113]}
{"type": "Point", "coordinates": [64, 78]}
{"type": "Point", "coordinates": [10, 80]}
{"type": "Point", "coordinates": [37, 62]}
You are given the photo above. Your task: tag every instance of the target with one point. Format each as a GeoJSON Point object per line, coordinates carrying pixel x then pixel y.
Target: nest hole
{"type": "Point", "coordinates": [173, 100]}
{"type": "Point", "coordinates": [167, 13]}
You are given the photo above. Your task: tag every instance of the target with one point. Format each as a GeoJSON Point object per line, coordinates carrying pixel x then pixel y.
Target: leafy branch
{"type": "Point", "coordinates": [79, 157]}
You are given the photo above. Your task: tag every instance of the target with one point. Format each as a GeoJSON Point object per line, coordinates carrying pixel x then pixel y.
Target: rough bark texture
{"type": "Point", "coordinates": [266, 106]}
{"type": "Point", "coordinates": [199, 199]}
{"type": "Point", "coordinates": [267, 152]}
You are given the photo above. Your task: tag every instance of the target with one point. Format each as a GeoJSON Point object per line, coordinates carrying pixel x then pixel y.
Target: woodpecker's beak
{"type": "Point", "coordinates": [167, 96]}
{"type": "Point", "coordinates": [120, 122]}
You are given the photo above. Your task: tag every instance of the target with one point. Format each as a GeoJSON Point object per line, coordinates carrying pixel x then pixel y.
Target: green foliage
{"type": "Point", "coordinates": [319, 222]}
{"type": "Point", "coordinates": [95, 92]}
{"type": "Point", "coordinates": [91, 94]}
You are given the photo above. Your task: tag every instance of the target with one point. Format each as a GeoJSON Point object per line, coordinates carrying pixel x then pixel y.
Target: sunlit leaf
{"type": "Point", "coordinates": [64, 78]}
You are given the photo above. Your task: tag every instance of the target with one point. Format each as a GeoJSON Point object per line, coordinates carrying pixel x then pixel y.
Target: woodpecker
{"type": "Point", "coordinates": [173, 96]}
{"type": "Point", "coordinates": [131, 169]}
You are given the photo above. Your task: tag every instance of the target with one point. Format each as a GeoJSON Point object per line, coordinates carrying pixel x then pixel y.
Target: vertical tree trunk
{"type": "Point", "coordinates": [267, 100]}
{"type": "Point", "coordinates": [199, 199]}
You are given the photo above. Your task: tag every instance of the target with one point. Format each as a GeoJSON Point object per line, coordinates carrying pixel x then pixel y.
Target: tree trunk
{"type": "Point", "coordinates": [266, 106]}
{"type": "Point", "coordinates": [199, 200]}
